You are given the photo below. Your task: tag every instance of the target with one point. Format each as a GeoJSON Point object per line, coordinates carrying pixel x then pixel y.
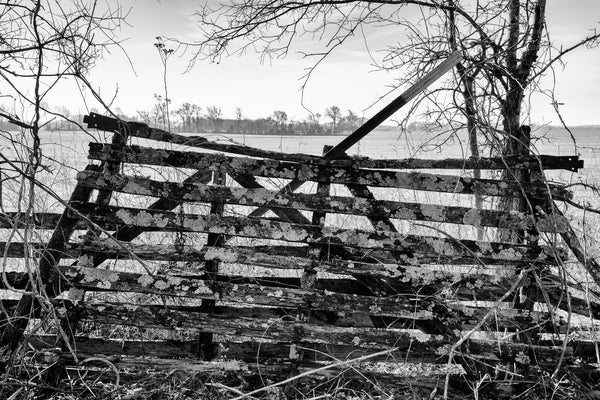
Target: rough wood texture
{"type": "Point", "coordinates": [407, 306]}
{"type": "Point", "coordinates": [275, 353]}
{"type": "Point", "coordinates": [265, 229]}
{"type": "Point", "coordinates": [283, 325]}
{"type": "Point", "coordinates": [143, 131]}
{"type": "Point", "coordinates": [252, 194]}
{"type": "Point", "coordinates": [303, 172]}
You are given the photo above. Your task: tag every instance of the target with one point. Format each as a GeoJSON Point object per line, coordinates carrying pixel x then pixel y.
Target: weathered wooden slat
{"type": "Point", "coordinates": [143, 131]}
{"type": "Point", "coordinates": [571, 163]}
{"type": "Point", "coordinates": [408, 352]}
{"type": "Point", "coordinates": [135, 369]}
{"type": "Point", "coordinates": [462, 286]}
{"type": "Point", "coordinates": [406, 306]}
{"type": "Point", "coordinates": [300, 172]}
{"type": "Point", "coordinates": [273, 324]}
{"type": "Point", "coordinates": [278, 257]}
{"type": "Point", "coordinates": [105, 280]}
{"type": "Point", "coordinates": [258, 196]}
{"type": "Point", "coordinates": [409, 306]}
{"type": "Point", "coordinates": [265, 229]}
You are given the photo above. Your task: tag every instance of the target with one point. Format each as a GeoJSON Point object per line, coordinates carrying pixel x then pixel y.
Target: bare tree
{"type": "Point", "coordinates": [213, 113]}
{"type": "Point", "coordinates": [280, 119]}
{"type": "Point", "coordinates": [353, 120]}
{"type": "Point", "coordinates": [334, 113]}
{"type": "Point", "coordinates": [506, 45]}
{"type": "Point", "coordinates": [186, 113]}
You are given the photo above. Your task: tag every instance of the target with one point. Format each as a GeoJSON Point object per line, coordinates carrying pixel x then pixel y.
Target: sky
{"type": "Point", "coordinates": [347, 79]}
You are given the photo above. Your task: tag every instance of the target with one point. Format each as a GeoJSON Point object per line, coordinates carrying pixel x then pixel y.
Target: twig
{"type": "Point", "coordinates": [316, 371]}
{"type": "Point", "coordinates": [481, 322]}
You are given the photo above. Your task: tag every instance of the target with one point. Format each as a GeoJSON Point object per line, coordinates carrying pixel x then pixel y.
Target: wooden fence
{"type": "Point", "coordinates": [182, 253]}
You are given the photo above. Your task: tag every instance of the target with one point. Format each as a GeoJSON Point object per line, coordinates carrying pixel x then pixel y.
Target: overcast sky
{"type": "Point", "coordinates": [347, 80]}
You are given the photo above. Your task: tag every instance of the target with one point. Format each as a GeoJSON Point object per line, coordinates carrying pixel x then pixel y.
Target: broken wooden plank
{"type": "Point", "coordinates": [407, 352]}
{"type": "Point", "coordinates": [272, 230]}
{"type": "Point", "coordinates": [271, 324]}
{"type": "Point", "coordinates": [426, 283]}
{"type": "Point", "coordinates": [339, 150]}
{"type": "Point", "coordinates": [92, 279]}
{"type": "Point", "coordinates": [302, 172]}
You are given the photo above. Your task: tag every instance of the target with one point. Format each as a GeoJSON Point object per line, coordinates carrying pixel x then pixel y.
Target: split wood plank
{"type": "Point", "coordinates": [282, 257]}
{"type": "Point", "coordinates": [278, 325]}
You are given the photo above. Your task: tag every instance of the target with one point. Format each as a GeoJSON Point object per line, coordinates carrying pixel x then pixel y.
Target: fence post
{"type": "Point", "coordinates": [206, 349]}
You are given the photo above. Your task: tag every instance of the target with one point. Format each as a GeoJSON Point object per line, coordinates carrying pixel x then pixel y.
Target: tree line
{"type": "Point", "coordinates": [192, 118]}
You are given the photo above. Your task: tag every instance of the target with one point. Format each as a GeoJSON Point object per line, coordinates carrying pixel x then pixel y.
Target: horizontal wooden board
{"type": "Point", "coordinates": [279, 257]}
{"type": "Point", "coordinates": [314, 202]}
{"type": "Point", "coordinates": [408, 306]}
{"type": "Point", "coordinates": [427, 283]}
{"type": "Point", "coordinates": [407, 352]}
{"type": "Point", "coordinates": [507, 162]}
{"type": "Point", "coordinates": [283, 325]}
{"type": "Point", "coordinates": [273, 230]}
{"type": "Point", "coordinates": [303, 172]}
